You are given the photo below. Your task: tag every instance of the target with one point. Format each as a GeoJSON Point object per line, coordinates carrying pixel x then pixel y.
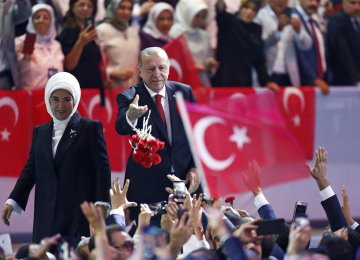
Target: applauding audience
{"type": "Point", "coordinates": [46, 58]}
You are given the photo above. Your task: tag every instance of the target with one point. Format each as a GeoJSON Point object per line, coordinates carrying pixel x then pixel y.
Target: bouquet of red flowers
{"type": "Point", "coordinates": [230, 200]}
{"type": "Point", "coordinates": [146, 146]}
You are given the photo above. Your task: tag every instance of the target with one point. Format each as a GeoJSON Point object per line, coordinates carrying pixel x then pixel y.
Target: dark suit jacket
{"type": "Point", "coordinates": [334, 213]}
{"type": "Point", "coordinates": [343, 50]}
{"type": "Point", "coordinates": [148, 185]}
{"type": "Point", "coordinates": [80, 171]}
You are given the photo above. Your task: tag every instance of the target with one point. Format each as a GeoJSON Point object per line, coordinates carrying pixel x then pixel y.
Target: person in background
{"type": "Point", "coordinates": [190, 19]}
{"type": "Point", "coordinates": [12, 13]}
{"type": "Point", "coordinates": [120, 43]}
{"type": "Point", "coordinates": [343, 41]}
{"type": "Point", "coordinates": [82, 54]}
{"type": "Point", "coordinates": [67, 164]}
{"type": "Point", "coordinates": [155, 32]}
{"type": "Point", "coordinates": [281, 31]}
{"type": "Point", "coordinates": [47, 57]}
{"type": "Point", "coordinates": [312, 62]}
{"type": "Point", "coordinates": [240, 48]}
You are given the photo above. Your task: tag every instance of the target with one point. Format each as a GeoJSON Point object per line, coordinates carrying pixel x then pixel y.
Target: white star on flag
{"type": "Point", "coordinates": [296, 120]}
{"type": "Point", "coordinates": [5, 134]}
{"type": "Point", "coordinates": [240, 137]}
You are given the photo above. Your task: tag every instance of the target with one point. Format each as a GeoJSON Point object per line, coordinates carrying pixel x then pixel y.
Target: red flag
{"type": "Point", "coordinates": [238, 132]}
{"type": "Point", "coordinates": [117, 146]}
{"type": "Point", "coordinates": [297, 105]}
{"type": "Point", "coordinates": [15, 131]}
{"type": "Point", "coordinates": [182, 66]}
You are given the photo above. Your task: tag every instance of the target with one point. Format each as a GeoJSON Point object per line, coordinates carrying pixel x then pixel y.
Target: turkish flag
{"type": "Point", "coordinates": [182, 66]}
{"type": "Point", "coordinates": [237, 132]}
{"type": "Point", "coordinates": [15, 131]}
{"type": "Point", "coordinates": [90, 107]}
{"type": "Point", "coordinates": [297, 105]}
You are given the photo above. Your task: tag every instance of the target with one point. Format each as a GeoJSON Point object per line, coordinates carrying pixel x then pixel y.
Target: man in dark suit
{"type": "Point", "coordinates": [155, 93]}
{"type": "Point", "coordinates": [67, 162]}
{"type": "Point", "coordinates": [343, 41]}
{"type": "Point", "coordinates": [312, 62]}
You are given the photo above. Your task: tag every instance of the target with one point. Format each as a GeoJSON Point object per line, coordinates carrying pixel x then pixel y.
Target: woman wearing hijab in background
{"type": "Point", "coordinates": [82, 54]}
{"type": "Point", "coordinates": [155, 32]}
{"type": "Point", "coordinates": [67, 162]}
{"type": "Point", "coordinates": [190, 19]}
{"type": "Point", "coordinates": [120, 43]}
{"type": "Point", "coordinates": [47, 57]}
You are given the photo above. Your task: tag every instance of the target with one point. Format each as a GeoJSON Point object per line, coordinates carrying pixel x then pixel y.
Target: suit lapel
{"type": "Point", "coordinates": [174, 119]}
{"type": "Point", "coordinates": [155, 116]}
{"type": "Point", "coordinates": [46, 144]}
{"type": "Point", "coordinates": [71, 132]}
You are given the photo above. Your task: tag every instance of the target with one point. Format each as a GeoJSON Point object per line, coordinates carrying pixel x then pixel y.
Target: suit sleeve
{"type": "Point", "coordinates": [101, 161]}
{"type": "Point", "coordinates": [266, 212]}
{"type": "Point", "coordinates": [26, 181]}
{"type": "Point", "coordinates": [334, 213]}
{"type": "Point", "coordinates": [124, 100]}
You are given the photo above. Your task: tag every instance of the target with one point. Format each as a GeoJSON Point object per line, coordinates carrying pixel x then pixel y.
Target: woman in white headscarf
{"type": "Point", "coordinates": [155, 32]}
{"type": "Point", "coordinates": [190, 20]}
{"type": "Point", "coordinates": [67, 162]}
{"type": "Point", "coordinates": [47, 57]}
{"type": "Point", "coordinates": [120, 43]}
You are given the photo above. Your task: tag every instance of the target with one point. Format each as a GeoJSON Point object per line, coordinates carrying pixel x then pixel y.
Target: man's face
{"type": "Point", "coordinates": [154, 71]}
{"type": "Point", "coordinates": [123, 243]}
{"type": "Point", "coordinates": [352, 7]}
{"type": "Point", "coordinates": [310, 6]}
{"type": "Point", "coordinates": [61, 104]}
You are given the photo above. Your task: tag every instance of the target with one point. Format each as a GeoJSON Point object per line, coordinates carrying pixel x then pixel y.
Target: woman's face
{"type": "Point", "coordinates": [83, 9]}
{"type": "Point", "coordinates": [124, 11]}
{"type": "Point", "coordinates": [41, 21]}
{"type": "Point", "coordinates": [61, 103]}
{"type": "Point", "coordinates": [248, 12]}
{"type": "Point", "coordinates": [199, 20]}
{"type": "Point", "coordinates": [164, 21]}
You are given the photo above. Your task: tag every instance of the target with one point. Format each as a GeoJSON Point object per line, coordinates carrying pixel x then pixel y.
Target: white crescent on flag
{"type": "Point", "coordinates": [199, 132]}
{"type": "Point", "coordinates": [95, 101]}
{"type": "Point", "coordinates": [7, 101]}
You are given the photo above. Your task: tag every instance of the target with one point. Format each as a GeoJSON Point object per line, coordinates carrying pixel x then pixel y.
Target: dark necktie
{"type": "Point", "coordinates": [319, 66]}
{"type": "Point", "coordinates": [160, 108]}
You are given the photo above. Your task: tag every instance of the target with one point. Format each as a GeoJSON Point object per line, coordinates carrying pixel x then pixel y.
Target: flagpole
{"type": "Point", "coordinates": [187, 126]}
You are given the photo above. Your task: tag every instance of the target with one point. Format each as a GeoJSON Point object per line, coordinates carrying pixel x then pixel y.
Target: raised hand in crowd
{"type": "Point", "coordinates": [87, 34]}
{"type": "Point", "coordinates": [346, 206]}
{"type": "Point", "coordinates": [143, 218]}
{"type": "Point", "coordinates": [180, 233]}
{"type": "Point", "coordinates": [252, 177]}
{"type": "Point", "coordinates": [6, 213]}
{"type": "Point", "coordinates": [95, 218]}
{"type": "Point", "coordinates": [295, 24]}
{"type": "Point", "coordinates": [135, 111]}
{"type": "Point", "coordinates": [118, 195]}
{"type": "Point", "coordinates": [318, 172]}
{"type": "Point", "coordinates": [323, 86]}
{"type": "Point", "coordinates": [193, 177]}
{"type": "Point", "coordinates": [299, 238]}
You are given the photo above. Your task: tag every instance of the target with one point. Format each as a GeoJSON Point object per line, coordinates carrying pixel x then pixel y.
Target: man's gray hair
{"type": "Point", "coordinates": [152, 51]}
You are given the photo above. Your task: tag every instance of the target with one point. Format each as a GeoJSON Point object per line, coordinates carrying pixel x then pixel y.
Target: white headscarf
{"type": "Point", "coordinates": [61, 80]}
{"type": "Point", "coordinates": [51, 33]}
{"type": "Point", "coordinates": [150, 25]}
{"type": "Point", "coordinates": [185, 12]}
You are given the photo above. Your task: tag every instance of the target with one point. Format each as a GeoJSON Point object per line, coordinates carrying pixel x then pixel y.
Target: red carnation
{"type": "Point", "coordinates": [135, 139]}
{"type": "Point", "coordinates": [230, 200]}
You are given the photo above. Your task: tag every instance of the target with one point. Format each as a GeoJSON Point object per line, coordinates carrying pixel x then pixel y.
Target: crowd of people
{"type": "Point", "coordinates": [264, 43]}
{"type": "Point", "coordinates": [68, 162]}
{"type": "Point", "coordinates": [200, 228]}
